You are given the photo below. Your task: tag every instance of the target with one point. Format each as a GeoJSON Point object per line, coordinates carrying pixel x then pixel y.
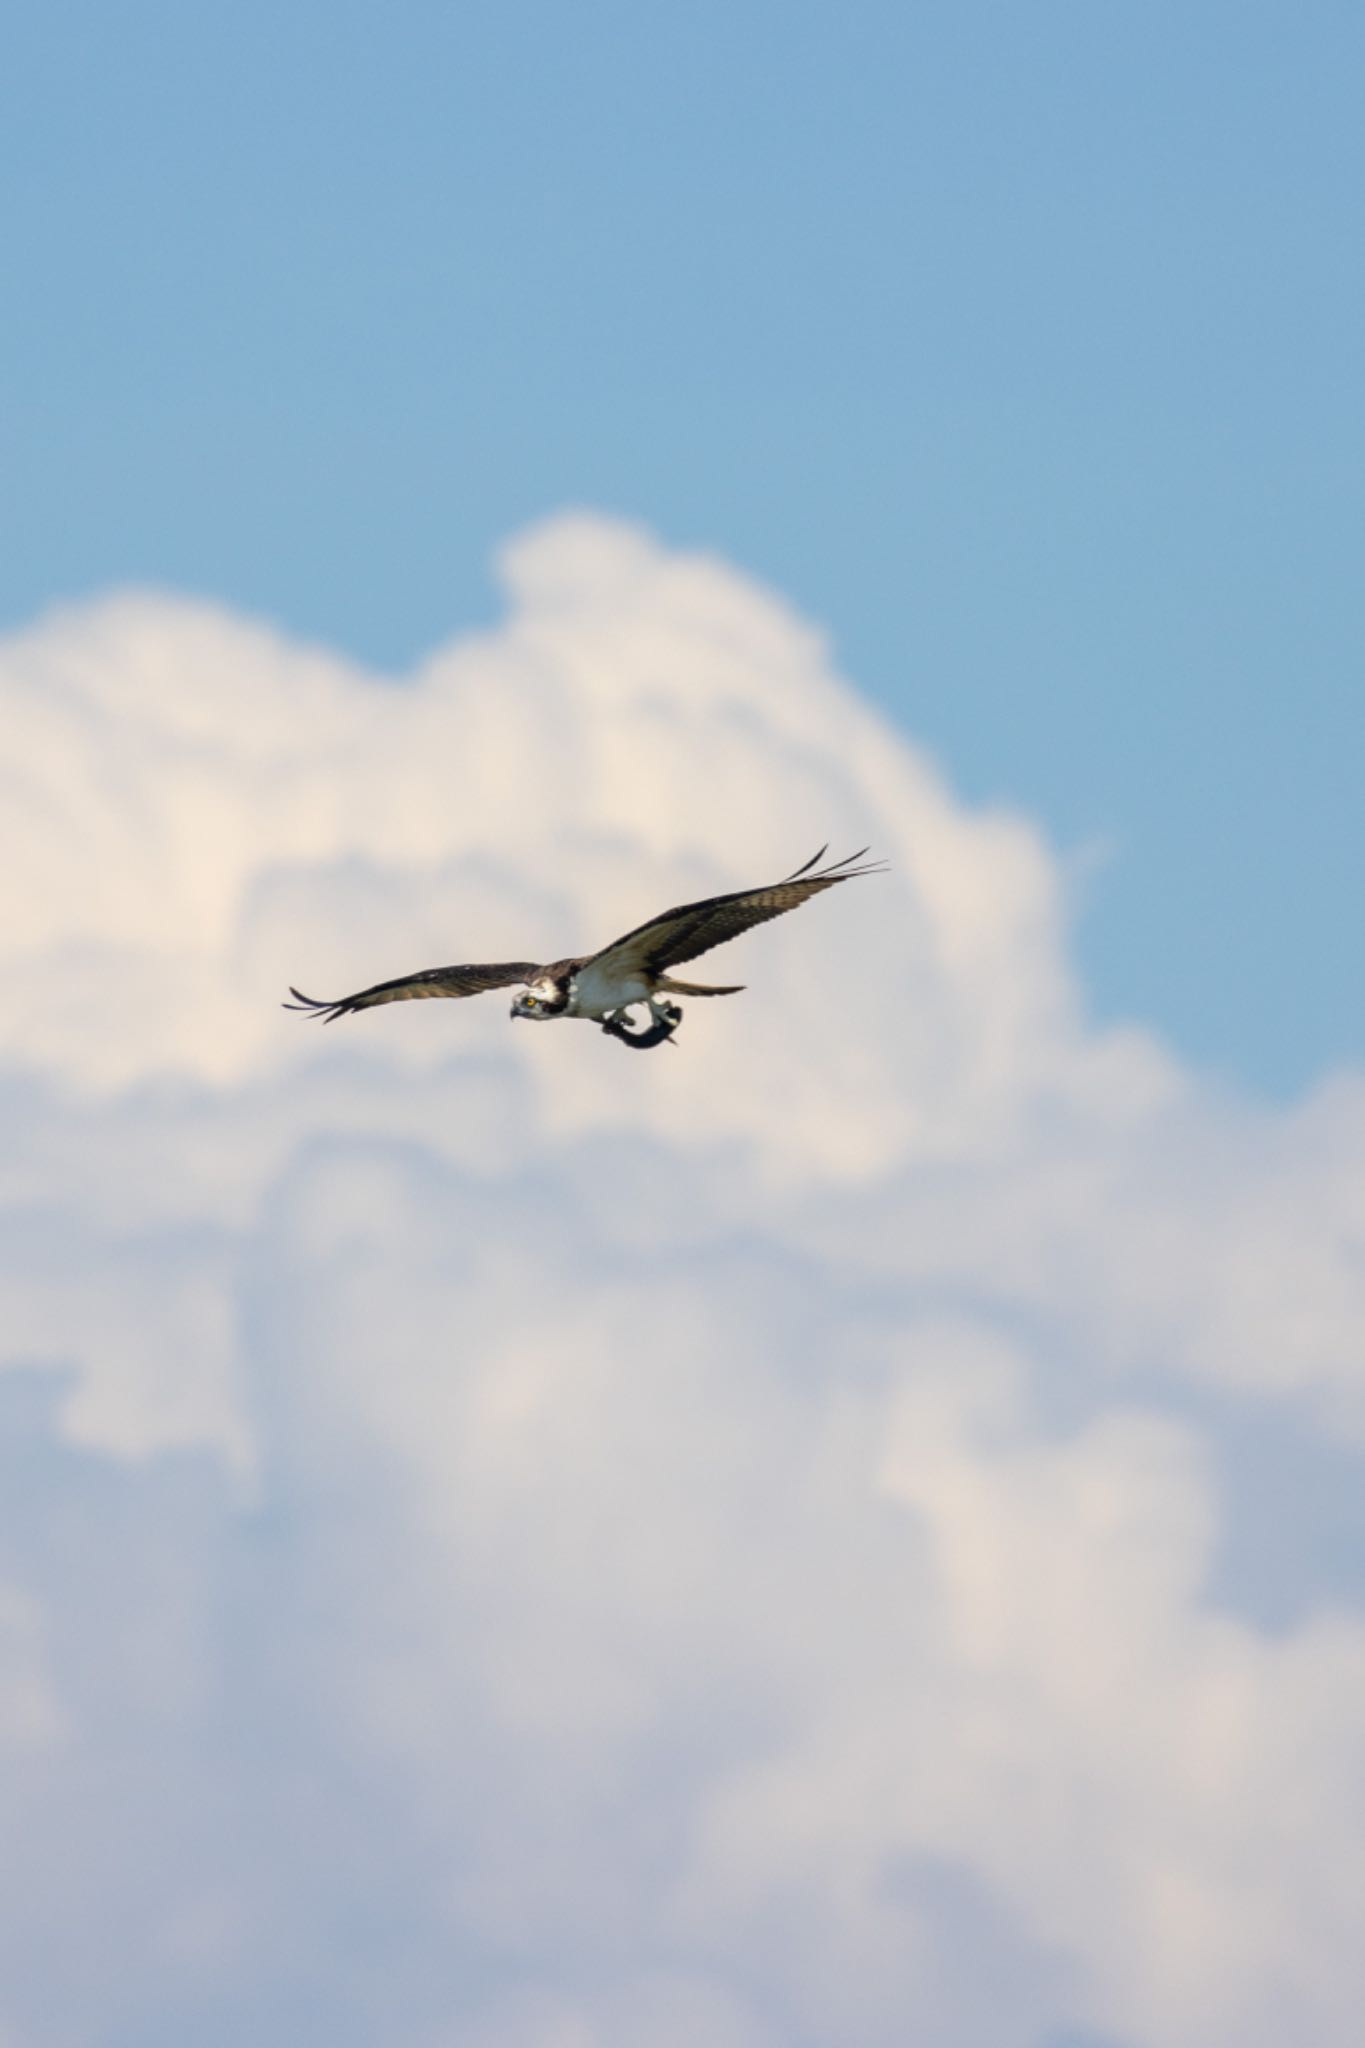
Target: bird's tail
{"type": "Point", "coordinates": [696, 988]}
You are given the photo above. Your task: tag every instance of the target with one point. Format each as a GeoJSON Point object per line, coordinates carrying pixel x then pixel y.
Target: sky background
{"type": "Point", "coordinates": [849, 1532]}
{"type": "Point", "coordinates": [1020, 346]}
{"type": "Point", "coordinates": [850, 1528]}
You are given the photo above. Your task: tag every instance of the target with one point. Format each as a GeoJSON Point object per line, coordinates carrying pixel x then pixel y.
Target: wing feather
{"type": "Point", "coordinates": [694, 928]}
{"type": "Point", "coordinates": [435, 981]}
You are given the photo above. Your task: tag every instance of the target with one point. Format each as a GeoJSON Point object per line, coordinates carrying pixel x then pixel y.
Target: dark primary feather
{"type": "Point", "coordinates": [436, 981]}
{"type": "Point", "coordinates": [693, 928]}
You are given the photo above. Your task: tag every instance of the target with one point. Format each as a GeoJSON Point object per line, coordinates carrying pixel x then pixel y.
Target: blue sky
{"type": "Point", "coordinates": [1019, 346]}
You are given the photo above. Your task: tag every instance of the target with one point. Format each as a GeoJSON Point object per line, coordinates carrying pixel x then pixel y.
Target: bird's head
{"type": "Point", "coordinates": [540, 999]}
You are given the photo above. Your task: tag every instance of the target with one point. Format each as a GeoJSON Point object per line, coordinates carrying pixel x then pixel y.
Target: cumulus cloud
{"type": "Point", "coordinates": [512, 1543]}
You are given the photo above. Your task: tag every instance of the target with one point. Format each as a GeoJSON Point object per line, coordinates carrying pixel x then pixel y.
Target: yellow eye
{"type": "Point", "coordinates": [531, 1002]}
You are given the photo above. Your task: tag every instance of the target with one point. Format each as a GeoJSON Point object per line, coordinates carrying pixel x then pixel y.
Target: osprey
{"type": "Point", "coordinates": [634, 969]}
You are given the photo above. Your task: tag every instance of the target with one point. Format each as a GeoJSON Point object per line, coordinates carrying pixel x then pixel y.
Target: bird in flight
{"type": "Point", "coordinates": [634, 969]}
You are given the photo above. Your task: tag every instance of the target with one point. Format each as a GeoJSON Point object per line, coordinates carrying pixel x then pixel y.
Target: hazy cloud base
{"type": "Point", "coordinates": [841, 1532]}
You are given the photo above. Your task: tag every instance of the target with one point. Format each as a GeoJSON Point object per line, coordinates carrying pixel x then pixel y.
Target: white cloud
{"type": "Point", "coordinates": [208, 813]}
{"type": "Point", "coordinates": [542, 1546]}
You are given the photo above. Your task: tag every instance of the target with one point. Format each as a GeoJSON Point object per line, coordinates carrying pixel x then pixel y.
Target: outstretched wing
{"type": "Point", "coordinates": [693, 928]}
{"type": "Point", "coordinates": [436, 981]}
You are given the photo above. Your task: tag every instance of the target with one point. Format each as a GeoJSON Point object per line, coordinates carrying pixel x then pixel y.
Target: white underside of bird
{"type": "Point", "coordinates": [597, 993]}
